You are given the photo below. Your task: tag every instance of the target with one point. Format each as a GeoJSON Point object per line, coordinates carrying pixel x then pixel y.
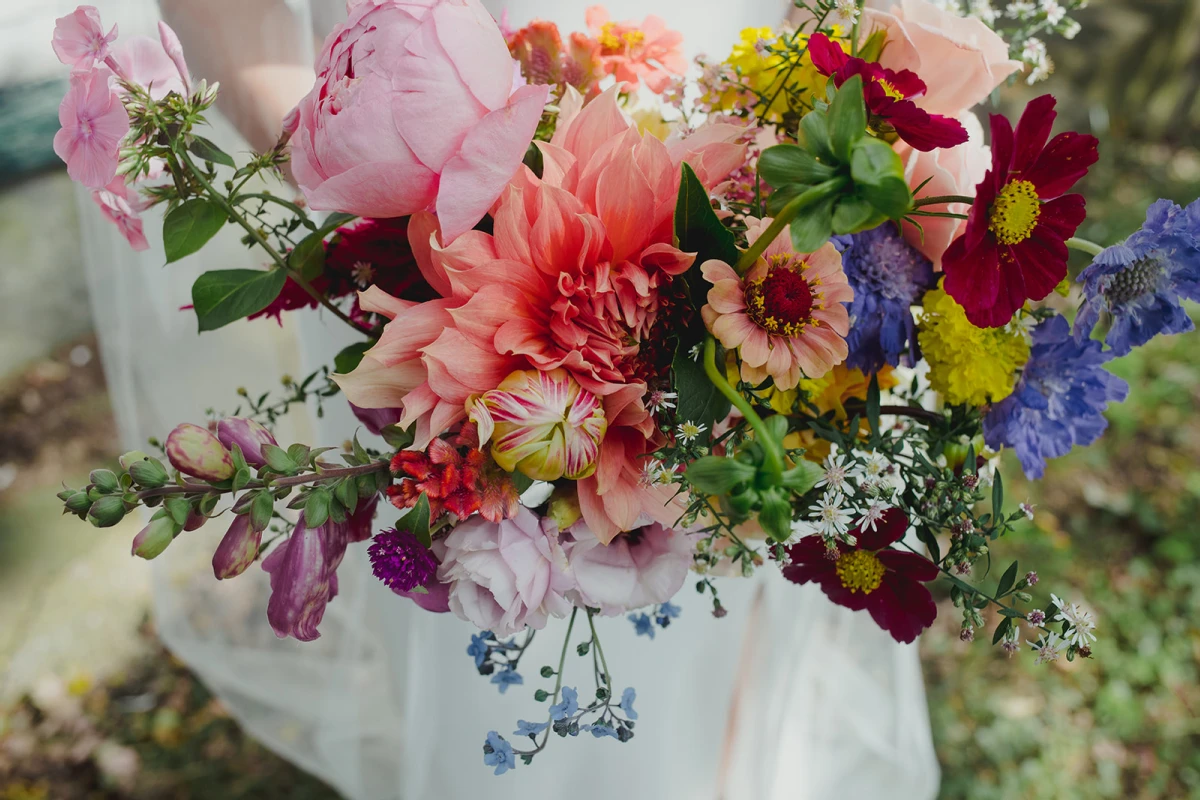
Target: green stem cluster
{"type": "Point", "coordinates": [788, 213]}
{"type": "Point", "coordinates": [773, 450]}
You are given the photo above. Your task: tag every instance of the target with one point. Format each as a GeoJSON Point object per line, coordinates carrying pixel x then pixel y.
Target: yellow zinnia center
{"type": "Point", "coordinates": [1015, 213]}
{"type": "Point", "coordinates": [860, 571]}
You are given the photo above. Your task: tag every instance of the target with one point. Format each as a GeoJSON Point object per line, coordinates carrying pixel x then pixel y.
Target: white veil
{"type": "Point", "coordinates": [386, 704]}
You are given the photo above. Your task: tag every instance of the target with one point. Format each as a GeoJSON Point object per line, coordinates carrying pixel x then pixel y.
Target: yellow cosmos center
{"type": "Point", "coordinates": [1015, 213]}
{"type": "Point", "coordinates": [611, 41]}
{"type": "Point", "coordinates": [860, 571]}
{"type": "Point", "coordinates": [890, 90]}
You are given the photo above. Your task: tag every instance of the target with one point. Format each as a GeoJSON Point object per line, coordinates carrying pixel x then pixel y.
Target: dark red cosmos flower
{"type": "Point", "coordinates": [871, 575]}
{"type": "Point", "coordinates": [1014, 248]}
{"type": "Point", "coordinates": [889, 96]}
{"type": "Point", "coordinates": [369, 251]}
{"type": "Point", "coordinates": [455, 476]}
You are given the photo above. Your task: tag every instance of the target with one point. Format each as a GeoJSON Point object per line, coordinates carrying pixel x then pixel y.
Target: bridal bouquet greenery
{"type": "Point", "coordinates": [618, 326]}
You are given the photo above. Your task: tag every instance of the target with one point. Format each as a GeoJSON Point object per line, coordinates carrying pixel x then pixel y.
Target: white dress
{"type": "Point", "coordinates": [788, 696]}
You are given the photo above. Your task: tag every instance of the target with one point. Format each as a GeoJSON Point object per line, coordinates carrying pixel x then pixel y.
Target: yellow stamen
{"type": "Point", "coordinates": [1015, 213]}
{"type": "Point", "coordinates": [860, 571]}
{"type": "Point", "coordinates": [633, 38]}
{"type": "Point", "coordinates": [890, 90]}
{"type": "Point", "coordinates": [609, 40]}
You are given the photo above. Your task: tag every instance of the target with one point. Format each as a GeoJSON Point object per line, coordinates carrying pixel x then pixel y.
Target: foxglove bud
{"type": "Point", "coordinates": [77, 502]}
{"type": "Point", "coordinates": [107, 511]}
{"type": "Point", "coordinates": [542, 423]}
{"type": "Point", "coordinates": [194, 451]}
{"type": "Point", "coordinates": [131, 458]}
{"type": "Point", "coordinates": [248, 435]}
{"type": "Point", "coordinates": [155, 537]}
{"type": "Point", "coordinates": [238, 548]}
{"type": "Point", "coordinates": [105, 480]}
{"type": "Point", "coordinates": [149, 473]}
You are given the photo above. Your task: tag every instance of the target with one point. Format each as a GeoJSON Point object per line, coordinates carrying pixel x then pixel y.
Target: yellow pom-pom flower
{"type": "Point", "coordinates": [968, 365]}
{"type": "Point", "coordinates": [773, 75]}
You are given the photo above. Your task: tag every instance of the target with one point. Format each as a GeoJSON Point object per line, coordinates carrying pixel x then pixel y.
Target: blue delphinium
{"type": "Point", "coordinates": [498, 753]}
{"type": "Point", "coordinates": [642, 625]}
{"type": "Point", "coordinates": [666, 613]}
{"type": "Point", "coordinates": [627, 698]}
{"type": "Point", "coordinates": [888, 275]}
{"type": "Point", "coordinates": [567, 706]}
{"type": "Point", "coordinates": [530, 728]}
{"type": "Point", "coordinates": [479, 647]}
{"type": "Point", "coordinates": [1139, 283]}
{"type": "Point", "coordinates": [1059, 401]}
{"type": "Point", "coordinates": [507, 677]}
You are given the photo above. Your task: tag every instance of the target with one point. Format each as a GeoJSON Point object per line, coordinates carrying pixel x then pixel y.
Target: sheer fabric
{"type": "Point", "coordinates": [787, 697]}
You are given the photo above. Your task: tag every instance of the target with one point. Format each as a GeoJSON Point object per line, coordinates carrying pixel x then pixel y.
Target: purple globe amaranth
{"type": "Point", "coordinates": [248, 435]}
{"type": "Point", "coordinates": [888, 276]}
{"type": "Point", "coordinates": [1059, 401]}
{"type": "Point", "coordinates": [400, 560]}
{"type": "Point", "coordinates": [1140, 282]}
{"type": "Point", "coordinates": [194, 451]}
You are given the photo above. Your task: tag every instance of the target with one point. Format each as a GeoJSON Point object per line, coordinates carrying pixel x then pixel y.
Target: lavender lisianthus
{"type": "Point", "coordinates": [888, 275]}
{"type": "Point", "coordinates": [1059, 401]}
{"type": "Point", "coordinates": [1140, 282]}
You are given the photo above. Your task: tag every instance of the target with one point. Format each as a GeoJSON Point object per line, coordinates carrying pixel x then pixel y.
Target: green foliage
{"type": "Point", "coordinates": [189, 226]}
{"type": "Point", "coordinates": [222, 296]}
{"type": "Point", "coordinates": [699, 231]}
{"type": "Point", "coordinates": [416, 521]}
{"type": "Point", "coordinates": [699, 401]}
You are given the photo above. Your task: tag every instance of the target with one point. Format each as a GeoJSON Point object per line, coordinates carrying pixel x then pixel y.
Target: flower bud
{"type": "Point", "coordinates": [542, 423]}
{"type": "Point", "coordinates": [148, 473]}
{"type": "Point", "coordinates": [107, 511]}
{"type": "Point", "coordinates": [238, 548]}
{"type": "Point", "coordinates": [194, 451]}
{"type": "Point", "coordinates": [77, 502]}
{"type": "Point", "coordinates": [564, 509]}
{"type": "Point", "coordinates": [155, 537]}
{"type": "Point", "coordinates": [105, 480]}
{"type": "Point", "coordinates": [247, 435]}
{"type": "Point", "coordinates": [131, 458]}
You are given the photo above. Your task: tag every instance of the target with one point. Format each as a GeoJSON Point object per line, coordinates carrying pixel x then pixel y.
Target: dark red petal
{"type": "Point", "coordinates": [926, 131]}
{"type": "Point", "coordinates": [810, 548]}
{"type": "Point", "coordinates": [462, 503]}
{"type": "Point", "coordinates": [1043, 264]}
{"type": "Point", "coordinates": [889, 529]}
{"type": "Point", "coordinates": [827, 56]}
{"type": "Point", "coordinates": [855, 601]}
{"type": "Point", "coordinates": [1002, 149]}
{"type": "Point", "coordinates": [973, 276]}
{"type": "Point", "coordinates": [907, 82]}
{"type": "Point", "coordinates": [1061, 216]}
{"type": "Point", "coordinates": [902, 607]}
{"type": "Point", "coordinates": [1033, 129]}
{"type": "Point", "coordinates": [1010, 292]}
{"type": "Point", "coordinates": [908, 564]}
{"type": "Point", "coordinates": [1064, 161]}
{"type": "Point", "coordinates": [977, 216]}
{"type": "Point", "coordinates": [808, 571]}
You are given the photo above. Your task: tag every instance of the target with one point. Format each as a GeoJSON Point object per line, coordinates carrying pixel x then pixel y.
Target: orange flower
{"type": "Point", "coordinates": [635, 52]}
{"type": "Point", "coordinates": [544, 59]}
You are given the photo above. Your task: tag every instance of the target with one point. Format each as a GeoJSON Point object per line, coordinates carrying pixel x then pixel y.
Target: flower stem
{"type": "Point", "coordinates": [938, 199]}
{"type": "Point", "coordinates": [562, 660]}
{"type": "Point", "coordinates": [1083, 245]}
{"type": "Point", "coordinates": [600, 652]}
{"type": "Point", "coordinates": [294, 480]}
{"type": "Point", "coordinates": [854, 33]}
{"type": "Point", "coordinates": [773, 451]}
{"type": "Point", "coordinates": [789, 212]}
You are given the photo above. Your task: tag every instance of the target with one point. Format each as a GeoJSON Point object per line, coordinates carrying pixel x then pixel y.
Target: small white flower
{"type": "Point", "coordinates": [1027, 510]}
{"type": "Point", "coordinates": [1034, 54]}
{"type": "Point", "coordinates": [1022, 9]}
{"type": "Point", "coordinates": [983, 9]}
{"type": "Point", "coordinates": [688, 430]}
{"type": "Point", "coordinates": [872, 516]}
{"type": "Point", "coordinates": [661, 401]}
{"type": "Point", "coordinates": [695, 352]}
{"type": "Point", "coordinates": [836, 472]}
{"type": "Point", "coordinates": [845, 12]}
{"type": "Point", "coordinates": [1071, 29]}
{"type": "Point", "coordinates": [831, 519]}
{"type": "Point", "coordinates": [1080, 619]}
{"type": "Point", "coordinates": [1053, 11]}
{"type": "Point", "coordinates": [1048, 648]}
{"type": "Point", "coordinates": [362, 273]}
{"type": "Point", "coordinates": [653, 473]}
{"type": "Point", "coordinates": [875, 467]}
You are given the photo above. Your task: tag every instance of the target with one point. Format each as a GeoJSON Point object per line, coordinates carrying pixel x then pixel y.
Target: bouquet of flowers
{"type": "Point", "coordinates": [617, 325]}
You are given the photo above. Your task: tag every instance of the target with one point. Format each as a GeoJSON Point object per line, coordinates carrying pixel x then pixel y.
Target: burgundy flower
{"type": "Point", "coordinates": [1014, 248]}
{"type": "Point", "coordinates": [889, 97]}
{"type": "Point", "coordinates": [871, 575]}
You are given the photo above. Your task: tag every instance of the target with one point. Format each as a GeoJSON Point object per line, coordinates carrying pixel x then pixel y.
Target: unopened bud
{"type": "Point", "coordinates": [237, 549]}
{"type": "Point", "coordinates": [105, 480]}
{"type": "Point", "coordinates": [247, 435]}
{"type": "Point", "coordinates": [564, 510]}
{"type": "Point", "coordinates": [154, 538]}
{"type": "Point", "coordinates": [148, 473]}
{"type": "Point", "coordinates": [77, 502]}
{"type": "Point", "coordinates": [194, 451]}
{"type": "Point", "coordinates": [107, 511]}
{"type": "Point", "coordinates": [132, 457]}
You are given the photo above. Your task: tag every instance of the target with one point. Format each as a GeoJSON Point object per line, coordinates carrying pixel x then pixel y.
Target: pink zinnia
{"type": "Point", "coordinates": [786, 316]}
{"type": "Point", "coordinates": [79, 41]}
{"type": "Point", "coordinates": [93, 124]}
{"type": "Point", "coordinates": [635, 52]}
{"type": "Point", "coordinates": [119, 208]}
{"type": "Point", "coordinates": [570, 278]}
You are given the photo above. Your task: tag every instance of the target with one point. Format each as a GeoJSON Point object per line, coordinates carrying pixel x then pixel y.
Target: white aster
{"type": "Point", "coordinates": [1023, 9]}
{"type": "Point", "coordinates": [831, 519]}
{"type": "Point", "coordinates": [661, 401]}
{"type": "Point", "coordinates": [688, 430]}
{"type": "Point", "coordinates": [837, 471]}
{"type": "Point", "coordinates": [653, 473]}
{"type": "Point", "coordinates": [1048, 648]}
{"type": "Point", "coordinates": [1053, 11]}
{"type": "Point", "coordinates": [872, 516]}
{"type": "Point", "coordinates": [1079, 618]}
{"type": "Point", "coordinates": [695, 352]}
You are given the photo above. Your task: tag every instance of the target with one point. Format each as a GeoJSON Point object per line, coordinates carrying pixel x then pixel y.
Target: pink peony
{"type": "Point", "coordinates": [504, 576]}
{"type": "Point", "coordinates": [953, 171]}
{"type": "Point", "coordinates": [960, 59]}
{"type": "Point", "coordinates": [122, 207]}
{"type": "Point", "coordinates": [79, 40]}
{"type": "Point", "coordinates": [414, 108]}
{"type": "Point", "coordinates": [93, 124]}
{"type": "Point", "coordinates": [638, 51]}
{"type": "Point", "coordinates": [644, 567]}
{"type": "Point", "coordinates": [786, 316]}
{"type": "Point", "coordinates": [570, 278]}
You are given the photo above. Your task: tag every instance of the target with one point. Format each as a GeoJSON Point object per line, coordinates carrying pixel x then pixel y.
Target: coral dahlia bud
{"type": "Point", "coordinates": [248, 435]}
{"type": "Point", "coordinates": [194, 451]}
{"type": "Point", "coordinates": [542, 423]}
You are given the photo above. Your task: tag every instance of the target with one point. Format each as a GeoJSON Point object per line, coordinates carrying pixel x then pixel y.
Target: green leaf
{"type": "Point", "coordinates": [346, 492]}
{"type": "Point", "coordinates": [1002, 629]}
{"type": "Point", "coordinates": [998, 497]}
{"type": "Point", "coordinates": [699, 401]}
{"type": "Point", "coordinates": [777, 425]}
{"type": "Point", "coordinates": [814, 137]}
{"type": "Point", "coordinates": [240, 479]}
{"type": "Point", "coordinates": [278, 460]}
{"type": "Point", "coordinates": [204, 149]}
{"type": "Point", "coordinates": [786, 164]}
{"type": "Point", "coordinates": [416, 521]}
{"type": "Point", "coordinates": [262, 510]}
{"type": "Point", "coordinates": [873, 405]}
{"type": "Point", "coordinates": [775, 516]}
{"type": "Point", "coordinates": [350, 357]}
{"type": "Point", "coordinates": [930, 541]}
{"type": "Point", "coordinates": [717, 474]}
{"type": "Point", "coordinates": [847, 118]}
{"type": "Point", "coordinates": [1012, 612]}
{"type": "Point", "coordinates": [891, 197]}
{"type": "Point", "coordinates": [813, 227]}
{"type": "Point", "coordinates": [1007, 580]}
{"type": "Point", "coordinates": [179, 508]}
{"type": "Point", "coordinates": [316, 508]}
{"type": "Point", "coordinates": [802, 477]}
{"type": "Point", "coordinates": [872, 48]}
{"type": "Point", "coordinates": [699, 231]}
{"type": "Point", "coordinates": [298, 453]}
{"type": "Point", "coordinates": [227, 295]}
{"type": "Point", "coordinates": [521, 481]}
{"type": "Point", "coordinates": [189, 226]}
{"type": "Point", "coordinates": [854, 213]}
{"type": "Point", "coordinates": [308, 257]}
{"type": "Point", "coordinates": [878, 175]}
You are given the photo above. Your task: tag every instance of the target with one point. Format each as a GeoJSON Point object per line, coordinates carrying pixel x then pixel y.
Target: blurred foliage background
{"type": "Point", "coordinates": [1117, 527]}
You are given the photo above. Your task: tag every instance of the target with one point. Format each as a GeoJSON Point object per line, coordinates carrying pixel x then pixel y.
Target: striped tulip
{"type": "Point", "coordinates": [542, 423]}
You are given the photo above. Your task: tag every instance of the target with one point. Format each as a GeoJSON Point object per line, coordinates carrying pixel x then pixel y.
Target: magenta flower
{"type": "Point", "coordinates": [93, 124]}
{"type": "Point", "coordinates": [79, 41]}
{"type": "Point", "coordinates": [248, 435]}
{"type": "Point", "coordinates": [238, 548]}
{"type": "Point", "coordinates": [119, 208]}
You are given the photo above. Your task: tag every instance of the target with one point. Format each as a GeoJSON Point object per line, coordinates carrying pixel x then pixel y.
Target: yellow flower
{"type": "Point", "coordinates": [772, 75]}
{"type": "Point", "coordinates": [968, 365]}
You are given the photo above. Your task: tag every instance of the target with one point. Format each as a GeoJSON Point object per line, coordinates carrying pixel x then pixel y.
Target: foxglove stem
{"type": "Point", "coordinates": [294, 480]}
{"type": "Point", "coordinates": [788, 213]}
{"type": "Point", "coordinates": [942, 198]}
{"type": "Point", "coordinates": [772, 448]}
{"type": "Point", "coordinates": [1084, 246]}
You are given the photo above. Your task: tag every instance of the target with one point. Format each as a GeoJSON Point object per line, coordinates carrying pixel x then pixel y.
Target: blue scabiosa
{"type": "Point", "coordinates": [1140, 282]}
{"type": "Point", "coordinates": [888, 277]}
{"type": "Point", "coordinates": [1059, 401]}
